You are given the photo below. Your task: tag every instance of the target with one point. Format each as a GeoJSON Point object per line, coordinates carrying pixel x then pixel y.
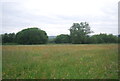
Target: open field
{"type": "Point", "coordinates": [94, 61]}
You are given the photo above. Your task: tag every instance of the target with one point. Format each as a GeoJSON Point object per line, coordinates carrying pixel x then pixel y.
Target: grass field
{"type": "Point", "coordinates": [94, 61]}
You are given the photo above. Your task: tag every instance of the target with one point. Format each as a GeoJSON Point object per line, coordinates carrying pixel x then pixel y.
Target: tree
{"type": "Point", "coordinates": [31, 36]}
{"type": "Point", "coordinates": [79, 32]}
{"type": "Point", "coordinates": [103, 38]}
{"type": "Point", "coordinates": [63, 38]}
{"type": "Point", "coordinates": [119, 38]}
{"type": "Point", "coordinates": [8, 38]}
{"type": "Point", "coordinates": [112, 38]}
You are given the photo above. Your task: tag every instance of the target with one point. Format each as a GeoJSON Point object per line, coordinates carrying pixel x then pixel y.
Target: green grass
{"type": "Point", "coordinates": [60, 61]}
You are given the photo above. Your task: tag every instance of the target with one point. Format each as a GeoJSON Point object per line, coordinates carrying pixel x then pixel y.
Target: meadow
{"type": "Point", "coordinates": [80, 61]}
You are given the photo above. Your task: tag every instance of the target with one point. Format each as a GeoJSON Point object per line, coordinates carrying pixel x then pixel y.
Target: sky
{"type": "Point", "coordinates": [57, 16]}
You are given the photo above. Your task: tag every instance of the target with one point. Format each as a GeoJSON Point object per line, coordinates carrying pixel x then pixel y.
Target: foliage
{"type": "Point", "coordinates": [8, 38]}
{"type": "Point", "coordinates": [63, 38]}
{"type": "Point", "coordinates": [104, 38]}
{"type": "Point", "coordinates": [79, 32]}
{"type": "Point", "coordinates": [119, 38]}
{"type": "Point", "coordinates": [31, 36]}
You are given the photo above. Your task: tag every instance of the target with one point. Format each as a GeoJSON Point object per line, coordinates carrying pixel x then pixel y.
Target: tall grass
{"type": "Point", "coordinates": [60, 61]}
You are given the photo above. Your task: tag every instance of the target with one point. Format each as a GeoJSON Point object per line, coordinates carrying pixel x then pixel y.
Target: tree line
{"type": "Point", "coordinates": [79, 34]}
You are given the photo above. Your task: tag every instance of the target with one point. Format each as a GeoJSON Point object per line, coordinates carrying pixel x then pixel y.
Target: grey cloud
{"type": "Point", "coordinates": [15, 17]}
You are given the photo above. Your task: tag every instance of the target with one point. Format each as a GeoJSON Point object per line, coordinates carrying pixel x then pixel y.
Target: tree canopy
{"type": "Point", "coordinates": [8, 38]}
{"type": "Point", "coordinates": [31, 36]}
{"type": "Point", "coordinates": [103, 38]}
{"type": "Point", "coordinates": [79, 32]}
{"type": "Point", "coordinates": [63, 38]}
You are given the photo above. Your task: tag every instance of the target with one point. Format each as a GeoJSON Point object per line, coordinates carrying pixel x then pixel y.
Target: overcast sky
{"type": "Point", "coordinates": [57, 16]}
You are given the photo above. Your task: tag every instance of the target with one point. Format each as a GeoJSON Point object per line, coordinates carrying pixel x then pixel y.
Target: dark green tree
{"type": "Point", "coordinates": [119, 38]}
{"type": "Point", "coordinates": [5, 38]}
{"type": "Point", "coordinates": [79, 32]}
{"type": "Point", "coordinates": [8, 38]}
{"type": "Point", "coordinates": [103, 38]}
{"type": "Point", "coordinates": [63, 38]}
{"type": "Point", "coordinates": [31, 36]}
